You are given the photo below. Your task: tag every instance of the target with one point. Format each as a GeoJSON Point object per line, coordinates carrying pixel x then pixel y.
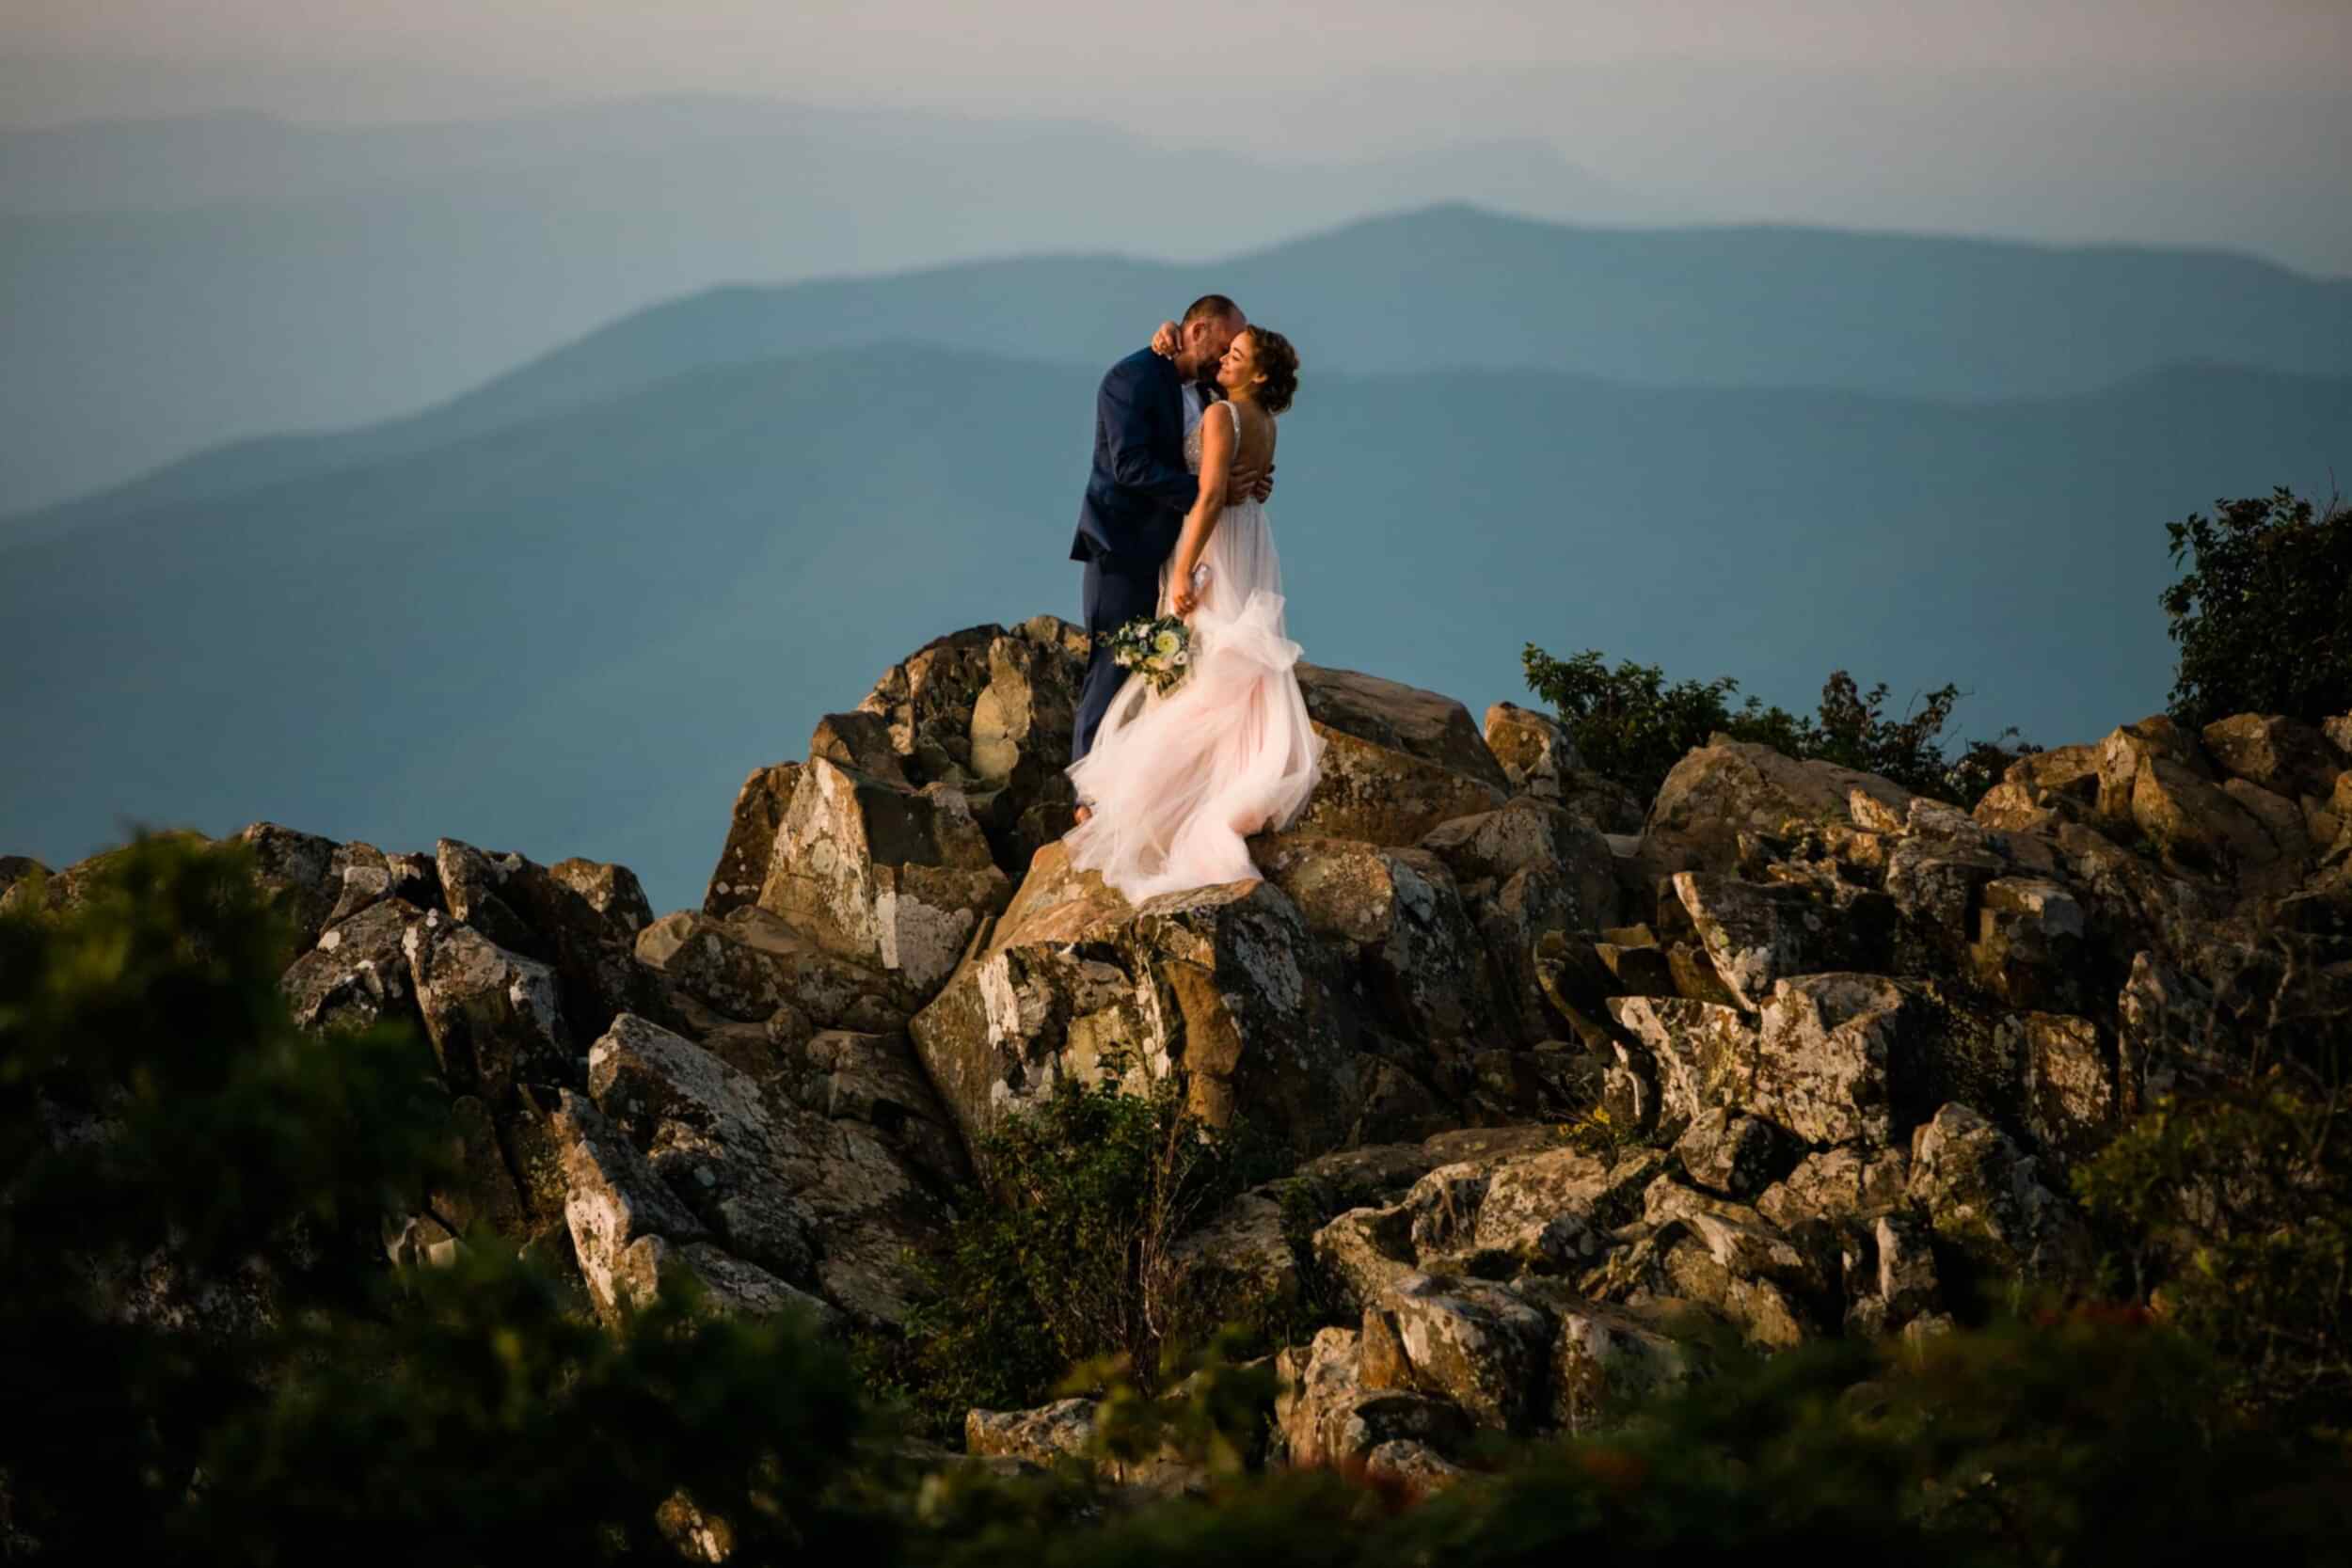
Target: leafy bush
{"type": "Point", "coordinates": [2235, 1210]}
{"type": "Point", "coordinates": [203, 1355]}
{"type": "Point", "coordinates": [1632, 726]}
{"type": "Point", "coordinates": [2079, 1437]}
{"type": "Point", "coordinates": [2264, 614]}
{"type": "Point", "coordinates": [1067, 1258]}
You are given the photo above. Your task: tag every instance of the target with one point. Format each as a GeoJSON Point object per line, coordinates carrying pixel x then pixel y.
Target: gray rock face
{"type": "Point", "coordinates": [892, 879]}
{"type": "Point", "coordinates": [742, 868]}
{"type": "Point", "coordinates": [1727, 787]}
{"type": "Point", "coordinates": [1224, 989]}
{"type": "Point", "coordinates": [1756, 934]}
{"type": "Point", "coordinates": [362, 875]}
{"type": "Point", "coordinates": [989, 711]}
{"type": "Point", "coordinates": [1984, 1196]}
{"type": "Point", "coordinates": [2071, 1104]}
{"type": "Point", "coordinates": [1534, 749]}
{"type": "Point", "coordinates": [1698, 1054]}
{"type": "Point", "coordinates": [624, 1221]}
{"type": "Point", "coordinates": [296, 869]}
{"type": "Point", "coordinates": [1839, 1183]}
{"type": "Point", "coordinates": [827, 1204]}
{"type": "Point", "coordinates": [580, 916]}
{"type": "Point", "coordinates": [1839, 1057]}
{"type": "Point", "coordinates": [1380, 794]}
{"type": "Point", "coordinates": [492, 1015]}
{"type": "Point", "coordinates": [750, 964]}
{"type": "Point", "coordinates": [1325, 1413]}
{"type": "Point", "coordinates": [359, 973]}
{"type": "Point", "coordinates": [1398, 913]}
{"type": "Point", "coordinates": [1401, 718]}
{"type": "Point", "coordinates": [1476, 1344]}
{"type": "Point", "coordinates": [2283, 756]}
{"type": "Point", "coordinates": [1730, 1153]}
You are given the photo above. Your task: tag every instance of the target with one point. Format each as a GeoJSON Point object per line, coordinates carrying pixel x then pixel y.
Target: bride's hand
{"type": "Point", "coordinates": [1164, 340]}
{"type": "Point", "coordinates": [1185, 601]}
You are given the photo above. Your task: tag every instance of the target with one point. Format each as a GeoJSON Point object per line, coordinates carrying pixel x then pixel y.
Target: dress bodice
{"type": "Point", "coordinates": [1220, 410]}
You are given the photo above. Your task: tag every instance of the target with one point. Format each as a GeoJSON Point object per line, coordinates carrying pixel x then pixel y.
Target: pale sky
{"type": "Point", "coordinates": [1098, 57]}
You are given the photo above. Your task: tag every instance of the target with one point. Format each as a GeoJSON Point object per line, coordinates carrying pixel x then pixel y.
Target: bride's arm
{"type": "Point", "coordinates": [1218, 445]}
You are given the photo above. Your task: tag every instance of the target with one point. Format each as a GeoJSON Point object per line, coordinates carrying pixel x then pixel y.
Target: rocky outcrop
{"type": "Point", "coordinates": [1223, 989]}
{"type": "Point", "coordinates": [1796, 1053]}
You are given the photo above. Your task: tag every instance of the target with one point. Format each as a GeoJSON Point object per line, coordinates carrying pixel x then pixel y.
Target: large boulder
{"type": "Point", "coordinates": [742, 868]}
{"type": "Point", "coordinates": [1756, 934]}
{"type": "Point", "coordinates": [359, 973]}
{"type": "Point", "coordinates": [1476, 1343]}
{"type": "Point", "coordinates": [1840, 1058]}
{"type": "Point", "coordinates": [297, 871]}
{"type": "Point", "coordinates": [629, 1232]}
{"type": "Point", "coordinates": [989, 710]}
{"type": "Point", "coordinates": [1224, 989]}
{"type": "Point", "coordinates": [1534, 749]}
{"type": "Point", "coordinates": [1986, 1200]}
{"type": "Point", "coordinates": [1400, 717]}
{"type": "Point", "coordinates": [1398, 913]}
{"type": "Point", "coordinates": [750, 964]}
{"type": "Point", "coordinates": [1382, 794]}
{"type": "Point", "coordinates": [1529, 873]}
{"type": "Point", "coordinates": [580, 916]}
{"type": "Point", "coordinates": [1326, 1415]}
{"type": "Point", "coordinates": [1727, 787]}
{"type": "Point", "coordinates": [1696, 1054]}
{"type": "Point", "coordinates": [894, 879]}
{"type": "Point", "coordinates": [492, 1015]}
{"type": "Point", "coordinates": [827, 1205]}
{"type": "Point", "coordinates": [2284, 756]}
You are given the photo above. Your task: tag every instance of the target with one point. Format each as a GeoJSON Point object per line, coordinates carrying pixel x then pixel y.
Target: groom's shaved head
{"type": "Point", "coordinates": [1209, 327]}
{"type": "Point", "coordinates": [1211, 307]}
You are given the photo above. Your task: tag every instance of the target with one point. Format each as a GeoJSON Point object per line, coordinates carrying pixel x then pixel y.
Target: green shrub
{"type": "Point", "coordinates": [1632, 726]}
{"type": "Point", "coordinates": [2233, 1211]}
{"type": "Point", "coordinates": [2264, 614]}
{"type": "Point", "coordinates": [1066, 1257]}
{"type": "Point", "coordinates": [204, 1354]}
{"type": "Point", "coordinates": [2081, 1437]}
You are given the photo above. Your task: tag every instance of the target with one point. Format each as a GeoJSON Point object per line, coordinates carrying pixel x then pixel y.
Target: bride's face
{"type": "Point", "coordinates": [1238, 372]}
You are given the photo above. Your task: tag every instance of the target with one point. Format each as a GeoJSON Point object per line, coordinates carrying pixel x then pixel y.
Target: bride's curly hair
{"type": "Point", "coordinates": [1278, 361]}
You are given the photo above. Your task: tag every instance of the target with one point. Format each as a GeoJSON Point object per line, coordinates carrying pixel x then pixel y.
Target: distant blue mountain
{"type": "Point", "coordinates": [172, 284]}
{"type": "Point", "coordinates": [572, 631]}
{"type": "Point", "coordinates": [1443, 287]}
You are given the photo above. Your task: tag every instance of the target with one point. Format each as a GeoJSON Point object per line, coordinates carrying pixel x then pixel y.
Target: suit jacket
{"type": "Point", "coordinates": [1139, 491]}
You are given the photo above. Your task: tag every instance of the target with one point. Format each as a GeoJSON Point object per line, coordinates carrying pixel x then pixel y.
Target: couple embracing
{"type": "Point", "coordinates": [1170, 781]}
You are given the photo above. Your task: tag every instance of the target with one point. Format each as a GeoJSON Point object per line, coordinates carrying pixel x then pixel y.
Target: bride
{"type": "Point", "coordinates": [1175, 781]}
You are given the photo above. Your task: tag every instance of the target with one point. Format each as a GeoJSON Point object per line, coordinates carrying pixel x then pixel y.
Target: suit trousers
{"type": "Point", "coordinates": [1116, 590]}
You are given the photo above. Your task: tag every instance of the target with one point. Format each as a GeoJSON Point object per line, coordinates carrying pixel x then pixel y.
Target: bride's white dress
{"type": "Point", "coordinates": [1176, 781]}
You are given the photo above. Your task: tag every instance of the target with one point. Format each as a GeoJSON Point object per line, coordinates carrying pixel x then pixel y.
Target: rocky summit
{"type": "Point", "coordinates": [1786, 1048]}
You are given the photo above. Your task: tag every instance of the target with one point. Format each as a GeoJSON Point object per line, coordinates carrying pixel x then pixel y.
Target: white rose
{"type": "Point", "coordinates": [1165, 644]}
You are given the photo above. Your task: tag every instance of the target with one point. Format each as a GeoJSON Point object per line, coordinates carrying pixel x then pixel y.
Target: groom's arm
{"type": "Point", "coordinates": [1140, 442]}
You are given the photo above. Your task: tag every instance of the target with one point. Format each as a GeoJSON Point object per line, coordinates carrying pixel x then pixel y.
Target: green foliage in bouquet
{"type": "Point", "coordinates": [1160, 650]}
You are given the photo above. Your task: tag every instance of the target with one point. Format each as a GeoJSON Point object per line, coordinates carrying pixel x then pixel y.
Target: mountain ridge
{"type": "Point", "coordinates": [552, 632]}
{"type": "Point", "coordinates": [1067, 308]}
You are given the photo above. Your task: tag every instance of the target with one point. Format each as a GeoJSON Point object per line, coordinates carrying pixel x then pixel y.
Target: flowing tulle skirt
{"type": "Point", "coordinates": [1177, 781]}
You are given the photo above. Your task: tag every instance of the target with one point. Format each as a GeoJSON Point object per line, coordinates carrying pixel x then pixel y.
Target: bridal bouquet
{"type": "Point", "coordinates": [1159, 649]}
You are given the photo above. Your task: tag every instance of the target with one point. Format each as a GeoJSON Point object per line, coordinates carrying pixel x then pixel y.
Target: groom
{"type": "Point", "coordinates": [1138, 492]}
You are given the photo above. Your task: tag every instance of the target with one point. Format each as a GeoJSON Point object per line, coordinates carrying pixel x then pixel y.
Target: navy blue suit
{"type": "Point", "coordinates": [1137, 496]}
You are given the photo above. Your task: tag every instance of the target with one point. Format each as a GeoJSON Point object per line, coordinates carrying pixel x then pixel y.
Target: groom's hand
{"type": "Point", "coordinates": [1257, 482]}
{"type": "Point", "coordinates": [1164, 340]}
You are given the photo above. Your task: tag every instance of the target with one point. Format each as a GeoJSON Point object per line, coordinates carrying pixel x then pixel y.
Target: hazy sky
{"type": "Point", "coordinates": [1122, 60]}
{"type": "Point", "coordinates": [2162, 122]}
